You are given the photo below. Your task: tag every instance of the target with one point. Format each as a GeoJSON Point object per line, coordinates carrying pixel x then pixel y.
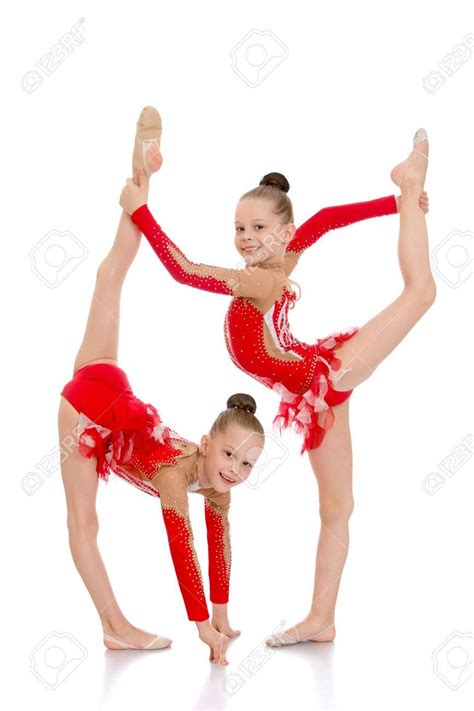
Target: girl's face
{"type": "Point", "coordinates": [230, 457]}
{"type": "Point", "coordinates": [259, 235]}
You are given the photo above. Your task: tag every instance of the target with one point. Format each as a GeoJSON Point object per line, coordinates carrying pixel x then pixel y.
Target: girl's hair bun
{"type": "Point", "coordinates": [276, 180]}
{"type": "Point", "coordinates": [242, 401]}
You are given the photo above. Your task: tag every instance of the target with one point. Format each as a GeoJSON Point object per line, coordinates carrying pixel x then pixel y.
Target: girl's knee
{"type": "Point", "coordinates": [337, 509]}
{"type": "Point", "coordinates": [430, 293]}
{"type": "Point", "coordinates": [424, 293]}
{"type": "Point", "coordinates": [82, 526]}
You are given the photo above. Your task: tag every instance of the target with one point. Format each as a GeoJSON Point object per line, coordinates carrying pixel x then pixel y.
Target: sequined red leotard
{"type": "Point", "coordinates": [257, 332]}
{"type": "Point", "coordinates": [129, 438]}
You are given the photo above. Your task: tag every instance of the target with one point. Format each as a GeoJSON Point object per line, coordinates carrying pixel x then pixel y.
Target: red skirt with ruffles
{"type": "Point", "coordinates": [310, 414]}
{"type": "Point", "coordinates": [114, 425]}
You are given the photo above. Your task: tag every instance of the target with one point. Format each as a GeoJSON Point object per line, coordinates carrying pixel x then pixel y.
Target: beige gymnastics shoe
{"type": "Point", "coordinates": [399, 172]}
{"type": "Point", "coordinates": [157, 643]}
{"type": "Point", "coordinates": [281, 640]}
{"type": "Point", "coordinates": [147, 153]}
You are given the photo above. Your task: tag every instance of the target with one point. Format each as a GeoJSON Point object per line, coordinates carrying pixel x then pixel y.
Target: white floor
{"type": "Point", "coordinates": [375, 662]}
{"type": "Point", "coordinates": [404, 619]}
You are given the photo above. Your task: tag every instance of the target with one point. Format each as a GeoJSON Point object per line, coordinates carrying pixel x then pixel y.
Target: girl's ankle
{"type": "Point", "coordinates": [411, 189]}
{"type": "Point", "coordinates": [321, 615]}
{"type": "Point", "coordinates": [116, 627]}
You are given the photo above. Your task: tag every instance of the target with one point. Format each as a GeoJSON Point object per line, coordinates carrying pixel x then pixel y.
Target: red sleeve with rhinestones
{"type": "Point", "coordinates": [218, 540]}
{"type": "Point", "coordinates": [200, 276]}
{"type": "Point", "coordinates": [171, 483]}
{"type": "Point", "coordinates": [257, 284]}
{"type": "Point", "coordinates": [329, 218]}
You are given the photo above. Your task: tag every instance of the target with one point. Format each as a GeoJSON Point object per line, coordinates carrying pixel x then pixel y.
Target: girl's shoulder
{"type": "Point", "coordinates": [187, 463]}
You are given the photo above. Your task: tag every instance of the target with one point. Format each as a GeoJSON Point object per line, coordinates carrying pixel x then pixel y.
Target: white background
{"type": "Point", "coordinates": [334, 116]}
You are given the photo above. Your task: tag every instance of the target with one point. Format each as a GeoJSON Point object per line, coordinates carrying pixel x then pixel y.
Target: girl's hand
{"type": "Point", "coordinates": [134, 196]}
{"type": "Point", "coordinates": [217, 642]}
{"type": "Point", "coordinates": [220, 621]}
{"type": "Point", "coordinates": [423, 202]}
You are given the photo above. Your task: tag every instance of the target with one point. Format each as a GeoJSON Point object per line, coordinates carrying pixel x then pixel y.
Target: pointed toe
{"type": "Point", "coordinates": [280, 640]}
{"type": "Point", "coordinates": [420, 135]}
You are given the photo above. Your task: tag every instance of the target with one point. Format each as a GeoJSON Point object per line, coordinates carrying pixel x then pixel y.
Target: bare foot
{"type": "Point", "coordinates": [312, 629]}
{"type": "Point", "coordinates": [412, 171]}
{"type": "Point", "coordinates": [133, 636]}
{"type": "Point", "coordinates": [147, 152]}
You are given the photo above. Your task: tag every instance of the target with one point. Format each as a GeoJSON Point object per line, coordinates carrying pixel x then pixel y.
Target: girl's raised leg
{"type": "Point", "coordinates": [100, 342]}
{"type": "Point", "coordinates": [378, 337]}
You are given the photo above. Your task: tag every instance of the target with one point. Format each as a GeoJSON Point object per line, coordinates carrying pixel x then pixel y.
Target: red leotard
{"type": "Point", "coordinates": [257, 331]}
{"type": "Point", "coordinates": [129, 438]}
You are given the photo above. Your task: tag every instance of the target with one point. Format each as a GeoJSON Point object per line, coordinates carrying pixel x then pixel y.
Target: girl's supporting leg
{"type": "Point", "coordinates": [332, 466]}
{"type": "Point", "coordinates": [80, 485]}
{"type": "Point", "coordinates": [382, 334]}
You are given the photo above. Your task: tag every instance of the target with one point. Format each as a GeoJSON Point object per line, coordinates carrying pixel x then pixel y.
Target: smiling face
{"type": "Point", "coordinates": [228, 458]}
{"type": "Point", "coordinates": [259, 235]}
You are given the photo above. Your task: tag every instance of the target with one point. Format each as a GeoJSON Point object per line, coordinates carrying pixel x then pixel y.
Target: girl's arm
{"type": "Point", "coordinates": [330, 218]}
{"type": "Point", "coordinates": [256, 283]}
{"type": "Point", "coordinates": [172, 486]}
{"type": "Point", "coordinates": [217, 506]}
{"type": "Point", "coordinates": [218, 541]}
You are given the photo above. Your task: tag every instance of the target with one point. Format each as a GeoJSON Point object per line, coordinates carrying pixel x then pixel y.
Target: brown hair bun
{"type": "Point", "coordinates": [242, 401]}
{"type": "Point", "coordinates": [276, 180]}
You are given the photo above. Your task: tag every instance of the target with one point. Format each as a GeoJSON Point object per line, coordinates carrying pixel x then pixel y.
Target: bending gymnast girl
{"type": "Point", "coordinates": [112, 430]}
{"type": "Point", "coordinates": [313, 382]}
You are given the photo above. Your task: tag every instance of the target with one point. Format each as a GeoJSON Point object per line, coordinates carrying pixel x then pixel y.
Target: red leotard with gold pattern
{"type": "Point", "coordinates": [257, 332]}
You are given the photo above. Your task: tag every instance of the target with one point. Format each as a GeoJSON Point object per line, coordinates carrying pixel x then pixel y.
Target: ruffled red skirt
{"type": "Point", "coordinates": [310, 414]}
{"type": "Point", "coordinates": [114, 425]}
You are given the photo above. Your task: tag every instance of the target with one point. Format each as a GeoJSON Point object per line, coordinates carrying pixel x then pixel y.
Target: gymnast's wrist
{"type": "Point", "coordinates": [138, 210]}
{"type": "Point", "coordinates": [203, 624]}
{"type": "Point", "coordinates": [219, 610]}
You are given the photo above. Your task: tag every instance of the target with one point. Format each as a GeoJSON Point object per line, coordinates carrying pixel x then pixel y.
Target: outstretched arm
{"type": "Point", "coordinates": [330, 218]}
{"type": "Point", "coordinates": [251, 282]}
{"type": "Point", "coordinates": [256, 283]}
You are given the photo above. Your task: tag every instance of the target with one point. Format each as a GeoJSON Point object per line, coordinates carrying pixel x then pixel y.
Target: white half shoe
{"type": "Point", "coordinates": [157, 643]}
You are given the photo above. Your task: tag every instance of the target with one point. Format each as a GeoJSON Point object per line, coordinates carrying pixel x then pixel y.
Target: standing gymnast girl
{"type": "Point", "coordinates": [112, 430]}
{"type": "Point", "coordinates": [314, 384]}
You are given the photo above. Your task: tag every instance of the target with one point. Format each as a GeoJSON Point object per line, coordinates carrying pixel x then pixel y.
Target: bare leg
{"type": "Point", "coordinates": [379, 336]}
{"type": "Point", "coordinates": [332, 466]}
{"type": "Point", "coordinates": [100, 342]}
{"type": "Point", "coordinates": [80, 485]}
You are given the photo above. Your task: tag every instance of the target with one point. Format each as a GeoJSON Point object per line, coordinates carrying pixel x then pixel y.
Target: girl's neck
{"type": "Point", "coordinates": [201, 474]}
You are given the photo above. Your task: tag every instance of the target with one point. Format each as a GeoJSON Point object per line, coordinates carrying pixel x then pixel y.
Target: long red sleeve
{"type": "Point", "coordinates": [171, 483]}
{"type": "Point", "coordinates": [178, 265]}
{"type": "Point", "coordinates": [257, 283]}
{"type": "Point", "coordinates": [218, 540]}
{"type": "Point", "coordinates": [186, 564]}
{"type": "Point", "coordinates": [329, 218]}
